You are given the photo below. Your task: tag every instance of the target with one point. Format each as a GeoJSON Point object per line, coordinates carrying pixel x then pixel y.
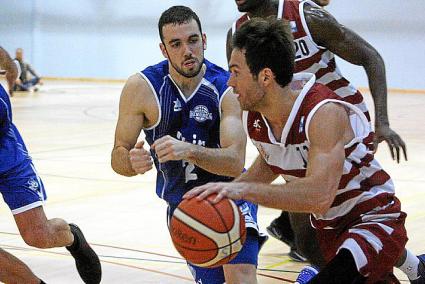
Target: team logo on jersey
{"type": "Point", "coordinates": [293, 25]}
{"type": "Point", "coordinates": [257, 125]}
{"type": "Point", "coordinates": [33, 184]}
{"type": "Point", "coordinates": [177, 105]}
{"type": "Point", "coordinates": [200, 113]}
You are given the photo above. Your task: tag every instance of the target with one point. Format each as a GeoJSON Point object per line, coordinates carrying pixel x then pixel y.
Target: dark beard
{"type": "Point", "coordinates": [192, 73]}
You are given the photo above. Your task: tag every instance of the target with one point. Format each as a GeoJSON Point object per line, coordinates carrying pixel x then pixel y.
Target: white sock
{"type": "Point", "coordinates": [410, 266]}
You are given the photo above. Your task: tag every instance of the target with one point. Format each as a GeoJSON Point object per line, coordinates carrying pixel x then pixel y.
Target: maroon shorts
{"type": "Point", "coordinates": [376, 240]}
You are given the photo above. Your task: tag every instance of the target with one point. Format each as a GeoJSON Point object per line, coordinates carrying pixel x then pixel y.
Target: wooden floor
{"type": "Point", "coordinates": [69, 128]}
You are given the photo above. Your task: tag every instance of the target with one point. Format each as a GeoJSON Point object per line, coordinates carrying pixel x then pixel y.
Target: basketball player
{"type": "Point", "coordinates": [318, 36]}
{"type": "Point", "coordinates": [23, 191]}
{"type": "Point", "coordinates": [192, 122]}
{"type": "Point", "coordinates": [318, 143]}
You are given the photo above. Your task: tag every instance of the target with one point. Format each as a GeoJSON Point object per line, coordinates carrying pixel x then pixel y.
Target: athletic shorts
{"type": "Point", "coordinates": [22, 188]}
{"type": "Point", "coordinates": [248, 254]}
{"type": "Point", "coordinates": [376, 241]}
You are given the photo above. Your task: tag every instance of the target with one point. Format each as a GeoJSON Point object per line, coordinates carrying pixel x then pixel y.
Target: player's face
{"type": "Point", "coordinates": [248, 5]}
{"type": "Point", "coordinates": [183, 45]}
{"type": "Point", "coordinates": [322, 3]}
{"type": "Point", "coordinates": [244, 84]}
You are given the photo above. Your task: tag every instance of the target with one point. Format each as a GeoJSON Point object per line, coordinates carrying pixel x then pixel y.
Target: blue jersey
{"type": "Point", "coordinates": [12, 148]}
{"type": "Point", "coordinates": [195, 119]}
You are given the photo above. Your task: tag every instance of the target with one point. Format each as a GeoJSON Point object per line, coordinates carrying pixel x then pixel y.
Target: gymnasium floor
{"type": "Point", "coordinates": [68, 127]}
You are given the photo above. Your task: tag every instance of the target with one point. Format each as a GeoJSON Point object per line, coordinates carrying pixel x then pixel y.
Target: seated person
{"type": "Point", "coordinates": [24, 82]}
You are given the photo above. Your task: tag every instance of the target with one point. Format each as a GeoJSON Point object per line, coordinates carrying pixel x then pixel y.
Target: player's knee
{"type": "Point", "coordinates": [240, 273]}
{"type": "Point", "coordinates": [38, 238]}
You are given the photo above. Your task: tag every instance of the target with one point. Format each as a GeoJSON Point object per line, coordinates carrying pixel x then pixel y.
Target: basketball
{"type": "Point", "coordinates": [207, 234]}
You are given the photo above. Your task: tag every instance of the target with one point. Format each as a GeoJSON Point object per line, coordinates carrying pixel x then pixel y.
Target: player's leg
{"type": "Point", "coordinates": [305, 238]}
{"type": "Point", "coordinates": [13, 270]}
{"type": "Point", "coordinates": [413, 266]}
{"type": "Point", "coordinates": [38, 231]}
{"type": "Point", "coordinates": [243, 269]}
{"type": "Point", "coordinates": [24, 193]}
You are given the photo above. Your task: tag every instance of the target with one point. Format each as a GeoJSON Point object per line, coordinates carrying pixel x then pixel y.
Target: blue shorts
{"type": "Point", "coordinates": [22, 188]}
{"type": "Point", "coordinates": [248, 254]}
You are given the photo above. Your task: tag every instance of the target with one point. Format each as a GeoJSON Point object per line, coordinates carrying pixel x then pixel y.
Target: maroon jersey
{"type": "Point", "coordinates": [365, 209]}
{"type": "Point", "coordinates": [311, 57]}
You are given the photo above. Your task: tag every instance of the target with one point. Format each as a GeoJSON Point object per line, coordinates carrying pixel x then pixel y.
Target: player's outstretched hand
{"type": "Point", "coordinates": [232, 190]}
{"type": "Point", "coordinates": [140, 158]}
{"type": "Point", "coordinates": [168, 148]}
{"type": "Point", "coordinates": [394, 141]}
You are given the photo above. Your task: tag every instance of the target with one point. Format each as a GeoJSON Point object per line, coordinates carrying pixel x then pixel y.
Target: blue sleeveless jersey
{"type": "Point", "coordinates": [195, 120]}
{"type": "Point", "coordinates": [13, 151]}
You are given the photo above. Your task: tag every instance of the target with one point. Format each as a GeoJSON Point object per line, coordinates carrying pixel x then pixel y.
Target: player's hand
{"type": "Point", "coordinates": [140, 158]}
{"type": "Point", "coordinates": [168, 148]}
{"type": "Point", "coordinates": [393, 140]}
{"type": "Point", "coordinates": [232, 190]}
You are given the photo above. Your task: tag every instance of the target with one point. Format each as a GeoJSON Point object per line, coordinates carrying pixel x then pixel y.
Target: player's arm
{"type": "Point", "coordinates": [345, 43]}
{"type": "Point", "coordinates": [229, 45]}
{"type": "Point", "coordinates": [131, 118]}
{"type": "Point", "coordinates": [6, 63]}
{"type": "Point", "coordinates": [329, 131]}
{"type": "Point", "coordinates": [259, 172]}
{"type": "Point", "coordinates": [227, 160]}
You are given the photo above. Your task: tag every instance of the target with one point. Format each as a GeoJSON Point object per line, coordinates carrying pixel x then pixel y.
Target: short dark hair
{"type": "Point", "coordinates": [177, 15]}
{"type": "Point", "coordinates": [267, 43]}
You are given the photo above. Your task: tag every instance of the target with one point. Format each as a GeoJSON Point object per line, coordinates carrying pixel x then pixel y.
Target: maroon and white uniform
{"type": "Point", "coordinates": [312, 58]}
{"type": "Point", "coordinates": [365, 216]}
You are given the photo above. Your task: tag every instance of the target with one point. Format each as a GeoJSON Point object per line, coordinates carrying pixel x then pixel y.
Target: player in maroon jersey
{"type": "Point", "coordinates": [318, 143]}
{"type": "Point", "coordinates": [318, 36]}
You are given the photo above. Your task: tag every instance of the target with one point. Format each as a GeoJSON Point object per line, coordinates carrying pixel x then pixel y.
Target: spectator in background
{"type": "Point", "coordinates": [25, 82]}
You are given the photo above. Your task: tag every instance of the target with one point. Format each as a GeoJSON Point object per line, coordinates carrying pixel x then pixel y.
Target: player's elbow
{"type": "Point", "coordinates": [121, 171]}
{"type": "Point", "coordinates": [117, 166]}
{"type": "Point", "coordinates": [324, 198]}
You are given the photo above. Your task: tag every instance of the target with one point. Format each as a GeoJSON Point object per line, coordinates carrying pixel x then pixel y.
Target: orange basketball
{"type": "Point", "coordinates": [207, 234]}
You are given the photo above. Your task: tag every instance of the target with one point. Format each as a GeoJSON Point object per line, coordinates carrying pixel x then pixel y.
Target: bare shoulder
{"type": "Point", "coordinates": [230, 104]}
{"type": "Point", "coordinates": [322, 25]}
{"type": "Point", "coordinates": [328, 124]}
{"type": "Point", "coordinates": [137, 94]}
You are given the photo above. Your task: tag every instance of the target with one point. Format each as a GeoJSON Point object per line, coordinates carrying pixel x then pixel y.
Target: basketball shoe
{"type": "Point", "coordinates": [86, 260]}
{"type": "Point", "coordinates": [306, 274]}
{"type": "Point", "coordinates": [274, 230]}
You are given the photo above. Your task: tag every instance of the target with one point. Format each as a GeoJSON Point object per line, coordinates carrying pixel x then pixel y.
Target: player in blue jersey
{"type": "Point", "coordinates": [192, 123]}
{"type": "Point", "coordinates": [23, 191]}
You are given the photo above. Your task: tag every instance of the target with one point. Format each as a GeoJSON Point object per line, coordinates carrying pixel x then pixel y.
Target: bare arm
{"type": "Point", "coordinates": [7, 64]}
{"type": "Point", "coordinates": [229, 46]}
{"type": "Point", "coordinates": [227, 160]}
{"type": "Point", "coordinates": [313, 193]}
{"type": "Point", "coordinates": [259, 172]}
{"type": "Point", "coordinates": [345, 43]}
{"type": "Point", "coordinates": [131, 119]}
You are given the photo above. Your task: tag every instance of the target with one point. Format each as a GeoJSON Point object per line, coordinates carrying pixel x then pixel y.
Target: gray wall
{"type": "Point", "coordinates": [113, 39]}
